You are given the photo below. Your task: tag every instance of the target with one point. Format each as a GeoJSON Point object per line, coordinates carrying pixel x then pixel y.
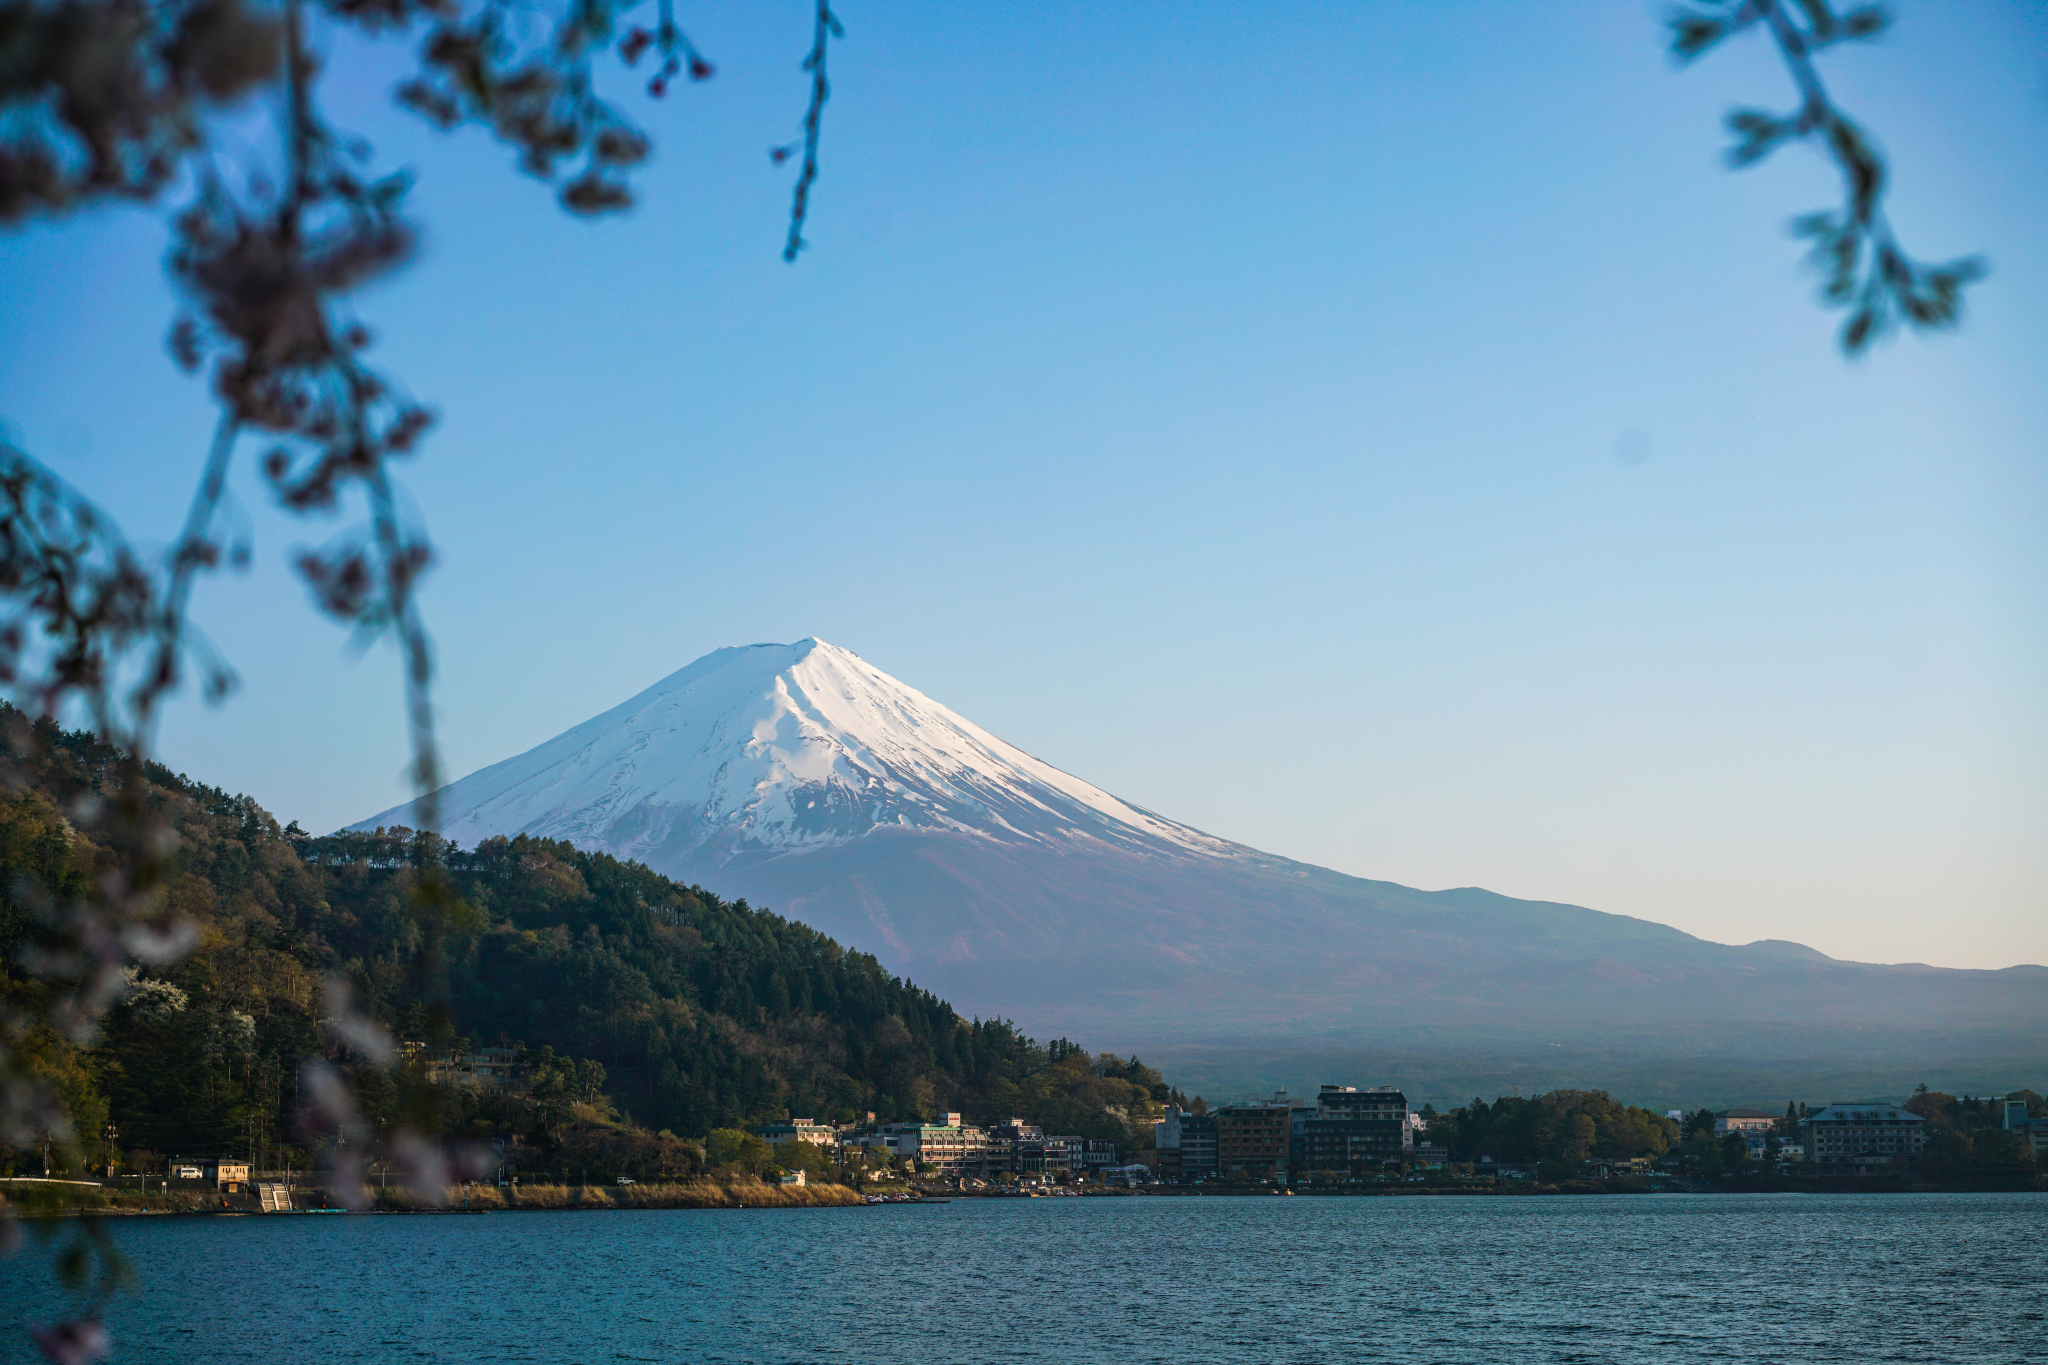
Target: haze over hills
{"type": "Point", "coordinates": [805, 779]}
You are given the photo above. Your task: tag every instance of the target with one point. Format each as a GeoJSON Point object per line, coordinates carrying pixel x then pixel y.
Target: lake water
{"type": "Point", "coordinates": [1852, 1278]}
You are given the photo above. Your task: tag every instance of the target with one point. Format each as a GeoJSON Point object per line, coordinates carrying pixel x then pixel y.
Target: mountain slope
{"type": "Point", "coordinates": [802, 777]}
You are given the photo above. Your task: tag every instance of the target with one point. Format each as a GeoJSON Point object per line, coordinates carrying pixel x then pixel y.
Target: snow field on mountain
{"type": "Point", "coordinates": [783, 747]}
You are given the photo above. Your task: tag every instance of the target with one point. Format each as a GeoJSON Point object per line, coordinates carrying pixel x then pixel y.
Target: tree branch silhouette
{"type": "Point", "coordinates": [1859, 256]}
{"type": "Point", "coordinates": [825, 28]}
{"type": "Point", "coordinates": [124, 100]}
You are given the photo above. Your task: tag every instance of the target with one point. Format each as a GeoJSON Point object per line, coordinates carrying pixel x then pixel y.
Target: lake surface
{"type": "Point", "coordinates": [1852, 1278]}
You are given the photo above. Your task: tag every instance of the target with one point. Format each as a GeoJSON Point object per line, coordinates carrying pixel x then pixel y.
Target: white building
{"type": "Point", "coordinates": [798, 1130]}
{"type": "Point", "coordinates": [944, 1142]}
{"type": "Point", "coordinates": [1744, 1121]}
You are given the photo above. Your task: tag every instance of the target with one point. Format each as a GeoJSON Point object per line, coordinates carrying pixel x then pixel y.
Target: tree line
{"type": "Point", "coordinates": [1965, 1135]}
{"type": "Point", "coordinates": [1564, 1125]}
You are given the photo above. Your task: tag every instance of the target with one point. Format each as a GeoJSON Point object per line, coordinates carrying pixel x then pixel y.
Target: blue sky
{"type": "Point", "coordinates": [1221, 402]}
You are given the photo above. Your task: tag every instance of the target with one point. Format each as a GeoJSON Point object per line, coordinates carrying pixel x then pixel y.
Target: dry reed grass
{"type": "Point", "coordinates": [694, 1194]}
{"type": "Point", "coordinates": [112, 1200]}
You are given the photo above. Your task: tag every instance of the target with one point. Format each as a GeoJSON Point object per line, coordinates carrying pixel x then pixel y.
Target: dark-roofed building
{"type": "Point", "coordinates": [1251, 1140]}
{"type": "Point", "coordinates": [1197, 1136]}
{"type": "Point", "coordinates": [1862, 1139]}
{"type": "Point", "coordinates": [1353, 1130]}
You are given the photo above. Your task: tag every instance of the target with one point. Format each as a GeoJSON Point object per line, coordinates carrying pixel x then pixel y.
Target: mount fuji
{"type": "Point", "coordinates": [777, 750]}
{"type": "Point", "coordinates": [810, 782]}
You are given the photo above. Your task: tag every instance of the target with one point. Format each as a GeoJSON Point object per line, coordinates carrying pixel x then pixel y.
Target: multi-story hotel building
{"type": "Point", "coordinates": [1862, 1139]}
{"type": "Point", "coordinates": [1352, 1130]}
{"type": "Point", "coordinates": [1186, 1144]}
{"type": "Point", "coordinates": [1251, 1140]}
{"type": "Point", "coordinates": [945, 1142]}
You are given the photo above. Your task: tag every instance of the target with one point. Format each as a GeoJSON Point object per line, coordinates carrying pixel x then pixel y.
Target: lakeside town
{"type": "Point", "coordinates": [1348, 1134]}
{"type": "Point", "coordinates": [1345, 1138]}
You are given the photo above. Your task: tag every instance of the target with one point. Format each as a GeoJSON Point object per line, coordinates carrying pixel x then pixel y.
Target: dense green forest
{"type": "Point", "coordinates": [650, 1013]}
{"type": "Point", "coordinates": [1564, 1125]}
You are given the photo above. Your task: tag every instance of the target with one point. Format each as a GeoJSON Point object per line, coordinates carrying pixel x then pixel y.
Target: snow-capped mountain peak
{"type": "Point", "coordinates": [782, 748]}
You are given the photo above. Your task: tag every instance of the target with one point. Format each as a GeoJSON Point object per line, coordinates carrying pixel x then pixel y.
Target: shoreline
{"type": "Point", "coordinates": [318, 1199]}
{"type": "Point", "coordinates": [750, 1194]}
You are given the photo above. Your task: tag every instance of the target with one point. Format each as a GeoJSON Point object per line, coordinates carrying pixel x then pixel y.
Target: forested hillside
{"type": "Point", "coordinates": [665, 1011]}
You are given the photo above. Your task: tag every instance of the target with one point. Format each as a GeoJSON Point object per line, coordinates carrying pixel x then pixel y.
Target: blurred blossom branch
{"type": "Point", "coordinates": [1863, 267]}
{"type": "Point", "coordinates": [75, 602]}
{"type": "Point", "coordinates": [333, 1119]}
{"type": "Point", "coordinates": [105, 101]}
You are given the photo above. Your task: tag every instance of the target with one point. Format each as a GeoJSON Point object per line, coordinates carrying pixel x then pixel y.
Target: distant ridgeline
{"type": "Point", "coordinates": [661, 1007]}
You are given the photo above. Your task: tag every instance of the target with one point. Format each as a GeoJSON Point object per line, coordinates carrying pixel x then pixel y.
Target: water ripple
{"type": "Point", "coordinates": [1860, 1279]}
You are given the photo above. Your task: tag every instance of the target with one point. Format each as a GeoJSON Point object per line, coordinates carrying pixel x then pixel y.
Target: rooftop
{"type": "Point", "coordinates": [1868, 1113]}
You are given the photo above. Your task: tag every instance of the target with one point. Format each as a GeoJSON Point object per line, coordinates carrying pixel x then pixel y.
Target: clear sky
{"type": "Point", "coordinates": [1221, 402]}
